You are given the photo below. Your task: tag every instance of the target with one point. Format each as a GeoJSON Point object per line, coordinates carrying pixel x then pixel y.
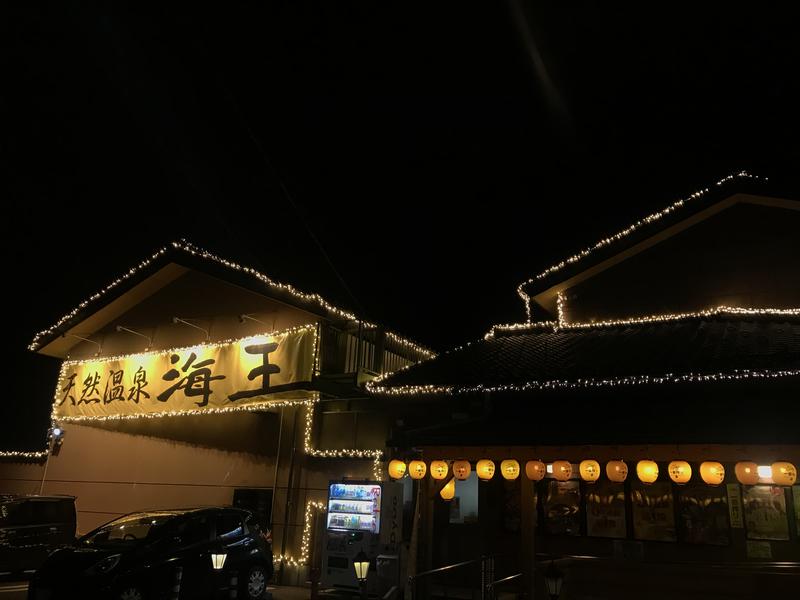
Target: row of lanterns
{"type": "Point", "coordinates": [679, 471]}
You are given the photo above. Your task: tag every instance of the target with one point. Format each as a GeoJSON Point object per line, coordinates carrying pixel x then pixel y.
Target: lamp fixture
{"type": "Point", "coordinates": [186, 322]}
{"type": "Point", "coordinates": [120, 328]}
{"type": "Point", "coordinates": [98, 344]}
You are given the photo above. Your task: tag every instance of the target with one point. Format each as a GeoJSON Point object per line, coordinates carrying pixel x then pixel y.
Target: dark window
{"type": "Point", "coordinates": [194, 530]}
{"type": "Point", "coordinates": [229, 526]}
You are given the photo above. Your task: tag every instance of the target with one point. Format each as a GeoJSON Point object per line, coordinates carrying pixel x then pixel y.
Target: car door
{"type": "Point", "coordinates": [187, 544]}
{"type": "Point", "coordinates": [233, 541]}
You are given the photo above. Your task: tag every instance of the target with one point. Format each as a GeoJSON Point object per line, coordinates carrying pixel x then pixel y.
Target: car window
{"type": "Point", "coordinates": [127, 529]}
{"type": "Point", "coordinates": [194, 530]}
{"type": "Point", "coordinates": [229, 526]}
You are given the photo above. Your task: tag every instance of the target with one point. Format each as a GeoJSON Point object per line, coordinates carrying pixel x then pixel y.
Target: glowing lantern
{"type": "Point", "coordinates": [562, 470]}
{"type": "Point", "coordinates": [397, 468]}
{"type": "Point", "coordinates": [747, 473]}
{"type": "Point", "coordinates": [509, 469]}
{"type": "Point", "coordinates": [647, 471]}
{"type": "Point", "coordinates": [784, 473]}
{"type": "Point", "coordinates": [617, 470]}
{"type": "Point", "coordinates": [535, 470]}
{"type": "Point", "coordinates": [449, 490]}
{"type": "Point", "coordinates": [461, 469]}
{"type": "Point", "coordinates": [713, 473]}
{"type": "Point", "coordinates": [589, 470]}
{"type": "Point", "coordinates": [438, 469]}
{"type": "Point", "coordinates": [679, 471]}
{"type": "Point", "coordinates": [417, 469]}
{"type": "Point", "coordinates": [485, 469]}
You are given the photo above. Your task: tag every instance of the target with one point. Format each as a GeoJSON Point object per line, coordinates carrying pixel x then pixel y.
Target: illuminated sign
{"type": "Point", "coordinates": [228, 375]}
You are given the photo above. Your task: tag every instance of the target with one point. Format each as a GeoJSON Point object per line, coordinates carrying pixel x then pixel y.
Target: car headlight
{"type": "Point", "coordinates": [105, 565]}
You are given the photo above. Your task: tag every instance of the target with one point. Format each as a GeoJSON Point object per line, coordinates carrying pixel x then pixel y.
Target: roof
{"type": "Point", "coordinates": [171, 261]}
{"type": "Point", "coordinates": [652, 229]}
{"type": "Point", "coordinates": [711, 347]}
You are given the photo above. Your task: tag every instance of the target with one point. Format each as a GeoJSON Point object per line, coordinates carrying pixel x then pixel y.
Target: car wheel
{"type": "Point", "coordinates": [129, 592]}
{"type": "Point", "coordinates": [256, 583]}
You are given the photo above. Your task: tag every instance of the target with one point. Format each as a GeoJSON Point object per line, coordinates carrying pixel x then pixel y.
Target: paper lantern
{"type": "Point", "coordinates": [449, 490]}
{"type": "Point", "coordinates": [397, 468]}
{"type": "Point", "coordinates": [679, 471]}
{"type": "Point", "coordinates": [562, 470]}
{"type": "Point", "coordinates": [746, 473]}
{"type": "Point", "coordinates": [589, 470]}
{"type": "Point", "coordinates": [461, 469]}
{"type": "Point", "coordinates": [417, 469]}
{"type": "Point", "coordinates": [713, 473]}
{"type": "Point", "coordinates": [535, 470]}
{"type": "Point", "coordinates": [438, 469]}
{"type": "Point", "coordinates": [485, 469]}
{"type": "Point", "coordinates": [617, 470]}
{"type": "Point", "coordinates": [509, 469]}
{"type": "Point", "coordinates": [784, 473]}
{"type": "Point", "coordinates": [647, 471]}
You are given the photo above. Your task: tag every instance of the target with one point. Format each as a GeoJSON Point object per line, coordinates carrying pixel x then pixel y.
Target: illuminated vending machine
{"type": "Point", "coordinates": [363, 516]}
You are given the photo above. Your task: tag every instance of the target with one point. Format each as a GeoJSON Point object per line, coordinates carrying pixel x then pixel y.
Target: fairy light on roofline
{"type": "Point", "coordinates": [193, 250]}
{"type": "Point", "coordinates": [622, 234]}
{"type": "Point", "coordinates": [563, 324]}
{"type": "Point", "coordinates": [560, 384]}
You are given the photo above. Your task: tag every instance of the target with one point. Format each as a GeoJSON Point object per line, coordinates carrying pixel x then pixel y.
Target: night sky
{"type": "Point", "coordinates": [439, 153]}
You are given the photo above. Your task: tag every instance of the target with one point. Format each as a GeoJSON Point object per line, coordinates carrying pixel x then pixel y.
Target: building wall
{"type": "Point", "coordinates": [113, 468]}
{"type": "Point", "coordinates": [745, 256]}
{"type": "Point", "coordinates": [206, 301]}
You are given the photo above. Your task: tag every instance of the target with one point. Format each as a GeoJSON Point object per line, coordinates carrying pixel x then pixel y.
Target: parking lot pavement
{"type": "Point", "coordinates": [15, 590]}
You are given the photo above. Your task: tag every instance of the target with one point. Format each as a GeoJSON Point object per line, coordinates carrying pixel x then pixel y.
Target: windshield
{"type": "Point", "coordinates": [130, 529]}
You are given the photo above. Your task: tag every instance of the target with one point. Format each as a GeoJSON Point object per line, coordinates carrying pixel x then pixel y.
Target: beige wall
{"type": "Point", "coordinates": [172, 462]}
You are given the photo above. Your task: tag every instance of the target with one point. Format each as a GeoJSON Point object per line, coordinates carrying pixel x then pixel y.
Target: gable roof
{"type": "Point", "coordinates": [741, 187]}
{"type": "Point", "coordinates": [165, 266]}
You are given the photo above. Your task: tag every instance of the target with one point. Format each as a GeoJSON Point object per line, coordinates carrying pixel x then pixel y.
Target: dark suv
{"type": "Point", "coordinates": [186, 553]}
{"type": "Point", "coordinates": [30, 528]}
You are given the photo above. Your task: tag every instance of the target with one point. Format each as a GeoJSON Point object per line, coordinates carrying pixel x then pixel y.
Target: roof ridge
{"type": "Point", "coordinates": [647, 220]}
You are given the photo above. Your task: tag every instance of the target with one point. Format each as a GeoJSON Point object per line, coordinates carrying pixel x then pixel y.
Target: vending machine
{"type": "Point", "coordinates": [362, 516]}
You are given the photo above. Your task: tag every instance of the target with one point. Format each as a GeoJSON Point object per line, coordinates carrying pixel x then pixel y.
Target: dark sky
{"type": "Point", "coordinates": [440, 152]}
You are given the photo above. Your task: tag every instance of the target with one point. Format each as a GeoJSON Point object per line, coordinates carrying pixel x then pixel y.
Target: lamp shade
{"type": "Point", "coordinates": [562, 470]}
{"type": "Point", "coordinates": [784, 473]}
{"type": "Point", "coordinates": [509, 469]}
{"type": "Point", "coordinates": [397, 468]}
{"type": "Point", "coordinates": [535, 470]}
{"type": "Point", "coordinates": [713, 473]}
{"type": "Point", "coordinates": [679, 471]}
{"type": "Point", "coordinates": [589, 470]}
{"type": "Point", "coordinates": [417, 469]}
{"type": "Point", "coordinates": [218, 561]}
{"type": "Point", "coordinates": [461, 469]}
{"type": "Point", "coordinates": [647, 471]}
{"type": "Point", "coordinates": [361, 565]}
{"type": "Point", "coordinates": [746, 472]}
{"type": "Point", "coordinates": [449, 490]}
{"type": "Point", "coordinates": [438, 469]}
{"type": "Point", "coordinates": [617, 470]}
{"type": "Point", "coordinates": [485, 469]}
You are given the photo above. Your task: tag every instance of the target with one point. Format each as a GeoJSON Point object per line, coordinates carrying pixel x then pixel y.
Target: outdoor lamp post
{"type": "Point", "coordinates": [554, 579]}
{"type": "Point", "coordinates": [361, 565]}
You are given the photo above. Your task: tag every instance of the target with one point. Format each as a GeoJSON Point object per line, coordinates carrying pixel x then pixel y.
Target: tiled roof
{"type": "Point", "coordinates": [692, 346]}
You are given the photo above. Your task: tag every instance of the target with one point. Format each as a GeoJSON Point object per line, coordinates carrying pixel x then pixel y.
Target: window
{"type": "Point", "coordinates": [229, 526]}
{"type": "Point", "coordinates": [194, 530]}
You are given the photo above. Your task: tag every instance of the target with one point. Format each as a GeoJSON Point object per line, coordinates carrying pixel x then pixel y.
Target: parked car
{"type": "Point", "coordinates": [30, 528]}
{"type": "Point", "coordinates": [186, 553]}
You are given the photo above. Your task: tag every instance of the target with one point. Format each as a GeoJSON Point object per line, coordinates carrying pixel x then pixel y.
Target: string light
{"type": "Point", "coordinates": [558, 384]}
{"type": "Point", "coordinates": [22, 455]}
{"type": "Point", "coordinates": [376, 387]}
{"type": "Point", "coordinates": [193, 250]}
{"type": "Point", "coordinates": [622, 234]}
{"type": "Point", "coordinates": [305, 544]}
